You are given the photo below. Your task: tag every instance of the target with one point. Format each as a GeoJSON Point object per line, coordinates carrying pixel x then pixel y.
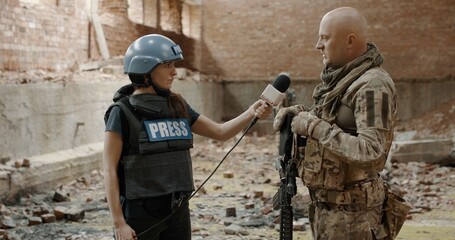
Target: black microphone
{"type": "Point", "coordinates": [274, 94]}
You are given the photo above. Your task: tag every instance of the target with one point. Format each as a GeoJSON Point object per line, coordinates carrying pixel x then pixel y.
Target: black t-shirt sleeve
{"type": "Point", "coordinates": [193, 114]}
{"type": "Point", "coordinates": [114, 122]}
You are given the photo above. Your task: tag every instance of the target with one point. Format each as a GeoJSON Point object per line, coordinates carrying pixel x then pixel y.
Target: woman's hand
{"type": "Point", "coordinates": [124, 232]}
{"type": "Point", "coordinates": [261, 109]}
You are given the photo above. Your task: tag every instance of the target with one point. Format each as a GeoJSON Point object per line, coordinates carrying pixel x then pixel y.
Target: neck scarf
{"type": "Point", "coordinates": [327, 95]}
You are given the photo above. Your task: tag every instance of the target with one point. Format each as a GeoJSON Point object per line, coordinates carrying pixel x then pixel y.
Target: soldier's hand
{"type": "Point", "coordinates": [301, 123]}
{"type": "Point", "coordinates": [279, 118]}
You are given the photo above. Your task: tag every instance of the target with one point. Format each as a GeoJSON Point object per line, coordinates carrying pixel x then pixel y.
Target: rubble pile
{"type": "Point", "coordinates": [236, 203]}
{"type": "Point", "coordinates": [425, 186]}
{"type": "Point", "coordinates": [51, 215]}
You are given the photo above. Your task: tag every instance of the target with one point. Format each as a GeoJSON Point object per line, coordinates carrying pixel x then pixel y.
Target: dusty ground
{"type": "Point", "coordinates": [429, 188]}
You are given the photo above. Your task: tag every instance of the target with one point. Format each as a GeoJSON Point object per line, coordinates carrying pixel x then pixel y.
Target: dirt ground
{"type": "Point", "coordinates": [246, 182]}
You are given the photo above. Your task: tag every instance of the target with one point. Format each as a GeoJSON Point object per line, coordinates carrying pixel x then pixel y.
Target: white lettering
{"type": "Point", "coordinates": [176, 126]}
{"type": "Point", "coordinates": [168, 129]}
{"type": "Point", "coordinates": [163, 129]}
{"type": "Point", "coordinates": [171, 129]}
{"type": "Point", "coordinates": [184, 130]}
{"type": "Point", "coordinates": [153, 129]}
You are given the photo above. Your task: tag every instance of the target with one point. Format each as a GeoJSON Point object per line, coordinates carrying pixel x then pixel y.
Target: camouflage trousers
{"type": "Point", "coordinates": [340, 224]}
{"type": "Point", "coordinates": [358, 219]}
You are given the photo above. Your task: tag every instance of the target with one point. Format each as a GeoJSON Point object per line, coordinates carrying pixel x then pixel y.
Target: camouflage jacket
{"type": "Point", "coordinates": [355, 146]}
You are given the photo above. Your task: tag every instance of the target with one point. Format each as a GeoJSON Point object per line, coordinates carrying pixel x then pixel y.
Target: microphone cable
{"type": "Point", "coordinates": [222, 160]}
{"type": "Point", "coordinates": [185, 201]}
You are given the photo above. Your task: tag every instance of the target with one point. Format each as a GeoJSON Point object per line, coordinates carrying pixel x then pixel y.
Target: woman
{"type": "Point", "coordinates": [147, 164]}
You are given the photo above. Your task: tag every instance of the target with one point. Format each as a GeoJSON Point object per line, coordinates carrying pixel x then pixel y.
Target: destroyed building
{"type": "Point", "coordinates": [61, 62]}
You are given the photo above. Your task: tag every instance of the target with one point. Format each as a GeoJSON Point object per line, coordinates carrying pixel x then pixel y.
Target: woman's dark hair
{"type": "Point", "coordinates": [138, 80]}
{"type": "Point", "coordinates": [178, 106]}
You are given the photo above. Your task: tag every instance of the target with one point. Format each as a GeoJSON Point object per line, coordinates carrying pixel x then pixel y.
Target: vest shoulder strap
{"type": "Point", "coordinates": [133, 122]}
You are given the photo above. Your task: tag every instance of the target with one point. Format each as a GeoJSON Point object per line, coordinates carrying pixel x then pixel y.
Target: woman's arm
{"type": "Point", "coordinates": [112, 150]}
{"type": "Point", "coordinates": [224, 131]}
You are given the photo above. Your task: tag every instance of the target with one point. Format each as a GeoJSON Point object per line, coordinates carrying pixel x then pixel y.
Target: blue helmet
{"type": "Point", "coordinates": [146, 52]}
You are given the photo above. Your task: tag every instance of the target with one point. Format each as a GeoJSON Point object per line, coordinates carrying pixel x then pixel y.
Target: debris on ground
{"type": "Point", "coordinates": [236, 201]}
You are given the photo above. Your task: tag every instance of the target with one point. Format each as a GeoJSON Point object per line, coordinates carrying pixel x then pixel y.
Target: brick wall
{"type": "Point", "coordinates": [239, 40]}
{"type": "Point", "coordinates": [42, 36]}
{"type": "Point", "coordinates": [256, 39]}
{"type": "Point", "coordinates": [58, 37]}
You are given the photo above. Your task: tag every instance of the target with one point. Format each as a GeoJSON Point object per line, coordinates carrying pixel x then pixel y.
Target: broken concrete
{"type": "Point", "coordinates": [435, 151]}
{"type": "Point", "coordinates": [49, 170]}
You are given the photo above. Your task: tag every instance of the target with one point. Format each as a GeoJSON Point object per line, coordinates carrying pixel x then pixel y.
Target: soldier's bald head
{"type": "Point", "coordinates": [346, 22]}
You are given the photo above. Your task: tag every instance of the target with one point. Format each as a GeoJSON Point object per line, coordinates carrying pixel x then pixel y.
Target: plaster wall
{"type": "Point", "coordinates": [414, 96]}
{"type": "Point", "coordinates": [41, 118]}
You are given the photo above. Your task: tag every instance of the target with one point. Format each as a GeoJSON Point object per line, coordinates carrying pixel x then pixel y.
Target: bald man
{"type": "Point", "coordinates": [349, 131]}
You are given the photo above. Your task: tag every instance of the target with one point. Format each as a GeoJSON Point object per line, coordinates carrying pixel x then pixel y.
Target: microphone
{"type": "Point", "coordinates": [274, 94]}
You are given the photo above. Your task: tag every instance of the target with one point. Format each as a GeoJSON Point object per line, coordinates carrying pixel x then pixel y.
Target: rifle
{"type": "Point", "coordinates": [288, 172]}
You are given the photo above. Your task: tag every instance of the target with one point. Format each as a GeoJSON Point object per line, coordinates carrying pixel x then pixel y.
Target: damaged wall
{"type": "Point", "coordinates": [250, 42]}
{"type": "Point", "coordinates": [42, 118]}
{"type": "Point", "coordinates": [120, 31]}
{"type": "Point", "coordinates": [43, 36]}
{"type": "Point", "coordinates": [255, 40]}
{"type": "Point", "coordinates": [243, 44]}
{"type": "Point", "coordinates": [57, 36]}
{"type": "Point", "coordinates": [54, 114]}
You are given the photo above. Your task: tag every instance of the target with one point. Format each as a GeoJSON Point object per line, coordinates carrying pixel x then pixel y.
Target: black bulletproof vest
{"type": "Point", "coordinates": [153, 168]}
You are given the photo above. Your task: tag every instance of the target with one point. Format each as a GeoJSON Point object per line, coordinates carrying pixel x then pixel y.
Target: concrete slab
{"type": "Point", "coordinates": [42, 118]}
{"type": "Point", "coordinates": [47, 171]}
{"type": "Point", "coordinates": [431, 151]}
{"type": "Point", "coordinates": [4, 181]}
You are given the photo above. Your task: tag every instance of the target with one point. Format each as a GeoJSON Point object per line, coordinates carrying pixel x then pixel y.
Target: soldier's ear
{"type": "Point", "coordinates": [351, 40]}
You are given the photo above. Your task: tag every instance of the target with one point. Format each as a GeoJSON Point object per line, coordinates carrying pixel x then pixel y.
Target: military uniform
{"type": "Point", "coordinates": [347, 147]}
